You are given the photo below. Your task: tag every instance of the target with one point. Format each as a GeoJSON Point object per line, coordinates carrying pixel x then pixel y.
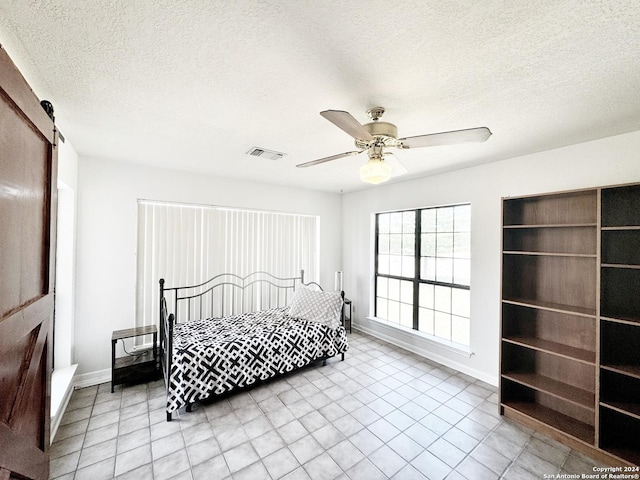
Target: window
{"type": "Point", "coordinates": [422, 270]}
{"type": "Point", "coordinates": [188, 244]}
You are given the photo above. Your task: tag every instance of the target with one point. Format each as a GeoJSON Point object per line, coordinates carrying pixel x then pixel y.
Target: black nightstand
{"type": "Point", "coordinates": [346, 319]}
{"type": "Point", "coordinates": [140, 367]}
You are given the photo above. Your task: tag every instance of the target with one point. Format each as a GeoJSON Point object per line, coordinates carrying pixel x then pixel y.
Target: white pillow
{"type": "Point", "coordinates": [316, 306]}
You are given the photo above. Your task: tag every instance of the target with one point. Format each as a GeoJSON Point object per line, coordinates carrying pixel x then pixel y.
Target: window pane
{"type": "Point", "coordinates": [460, 330]}
{"type": "Point", "coordinates": [394, 289]}
{"type": "Point", "coordinates": [406, 292]}
{"type": "Point", "coordinates": [428, 245]}
{"type": "Point", "coordinates": [428, 268]}
{"type": "Point", "coordinates": [462, 218]}
{"type": "Point", "coordinates": [395, 265]}
{"type": "Point", "coordinates": [409, 222]}
{"type": "Point", "coordinates": [425, 321]}
{"type": "Point", "coordinates": [406, 315]}
{"type": "Point", "coordinates": [462, 245]}
{"type": "Point", "coordinates": [442, 298]}
{"type": "Point", "coordinates": [381, 308]}
{"type": "Point", "coordinates": [395, 222]}
{"type": "Point", "coordinates": [408, 267]}
{"type": "Point", "coordinates": [445, 219]}
{"type": "Point", "coordinates": [383, 223]}
{"type": "Point", "coordinates": [428, 221]}
{"type": "Point", "coordinates": [383, 264]}
{"type": "Point", "coordinates": [461, 271]}
{"type": "Point", "coordinates": [444, 270]}
{"type": "Point", "coordinates": [395, 244]}
{"type": "Point", "coordinates": [426, 296]}
{"type": "Point", "coordinates": [408, 244]}
{"type": "Point", "coordinates": [394, 312]}
{"type": "Point", "coordinates": [444, 245]}
{"type": "Point", "coordinates": [382, 289]}
{"type": "Point", "coordinates": [460, 302]}
{"type": "Point", "coordinates": [442, 325]}
{"type": "Point", "coordinates": [383, 243]}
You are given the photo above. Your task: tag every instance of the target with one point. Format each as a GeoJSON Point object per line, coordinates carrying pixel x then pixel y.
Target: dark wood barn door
{"type": "Point", "coordinates": [27, 246]}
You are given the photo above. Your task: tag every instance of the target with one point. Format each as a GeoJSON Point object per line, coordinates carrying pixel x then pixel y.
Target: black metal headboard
{"type": "Point", "coordinates": [229, 294]}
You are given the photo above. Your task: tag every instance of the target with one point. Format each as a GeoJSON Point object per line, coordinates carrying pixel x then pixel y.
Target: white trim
{"type": "Point", "coordinates": [61, 390]}
{"type": "Point", "coordinates": [419, 346]}
{"type": "Point", "coordinates": [92, 378]}
{"type": "Point", "coordinates": [440, 343]}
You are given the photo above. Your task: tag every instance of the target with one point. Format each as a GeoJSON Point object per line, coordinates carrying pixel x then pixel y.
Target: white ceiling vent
{"type": "Point", "coordinates": [264, 153]}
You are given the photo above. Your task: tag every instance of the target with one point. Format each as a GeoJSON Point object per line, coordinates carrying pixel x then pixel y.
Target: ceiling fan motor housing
{"type": "Point", "coordinates": [382, 129]}
{"type": "Point", "coordinates": [383, 133]}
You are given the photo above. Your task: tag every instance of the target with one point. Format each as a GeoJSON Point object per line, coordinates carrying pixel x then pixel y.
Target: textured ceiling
{"type": "Point", "coordinates": [194, 84]}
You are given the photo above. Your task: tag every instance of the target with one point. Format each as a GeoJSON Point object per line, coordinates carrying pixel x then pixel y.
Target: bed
{"type": "Point", "coordinates": [234, 332]}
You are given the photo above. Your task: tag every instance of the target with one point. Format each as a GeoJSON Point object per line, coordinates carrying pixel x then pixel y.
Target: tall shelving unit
{"type": "Point", "coordinates": [620, 322]}
{"type": "Point", "coordinates": [548, 319]}
{"type": "Point", "coordinates": [570, 361]}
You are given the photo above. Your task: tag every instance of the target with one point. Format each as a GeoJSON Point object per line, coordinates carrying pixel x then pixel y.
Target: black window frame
{"type": "Point", "coordinates": [416, 279]}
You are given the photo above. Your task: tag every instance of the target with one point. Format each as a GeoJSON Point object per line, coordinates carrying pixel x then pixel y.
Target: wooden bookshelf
{"type": "Point", "coordinates": [550, 306]}
{"type": "Point", "coordinates": [619, 429]}
{"type": "Point", "coordinates": [558, 421]}
{"type": "Point", "coordinates": [562, 209]}
{"type": "Point", "coordinates": [631, 409]}
{"type": "Point", "coordinates": [551, 240]}
{"type": "Point", "coordinates": [562, 283]}
{"type": "Point", "coordinates": [555, 388]}
{"type": "Point", "coordinates": [570, 356]}
{"type": "Point", "coordinates": [619, 434]}
{"type": "Point", "coordinates": [560, 349]}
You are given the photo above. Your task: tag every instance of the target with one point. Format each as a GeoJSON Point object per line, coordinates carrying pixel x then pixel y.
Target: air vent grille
{"type": "Point", "coordinates": [265, 153]}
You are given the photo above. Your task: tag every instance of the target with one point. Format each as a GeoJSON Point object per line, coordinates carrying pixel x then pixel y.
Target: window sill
{"type": "Point", "coordinates": [61, 390]}
{"type": "Point", "coordinates": [458, 348]}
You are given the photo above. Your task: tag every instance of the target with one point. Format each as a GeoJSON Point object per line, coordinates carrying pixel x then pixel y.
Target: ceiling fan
{"type": "Point", "coordinates": [375, 137]}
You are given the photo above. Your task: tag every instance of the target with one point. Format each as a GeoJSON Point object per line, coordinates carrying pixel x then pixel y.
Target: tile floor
{"type": "Point", "coordinates": [382, 413]}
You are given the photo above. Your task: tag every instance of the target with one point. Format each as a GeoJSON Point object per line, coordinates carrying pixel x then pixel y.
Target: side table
{"type": "Point", "coordinates": [139, 367]}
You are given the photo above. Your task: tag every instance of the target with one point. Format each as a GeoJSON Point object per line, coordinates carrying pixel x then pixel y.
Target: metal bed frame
{"type": "Point", "coordinates": [235, 294]}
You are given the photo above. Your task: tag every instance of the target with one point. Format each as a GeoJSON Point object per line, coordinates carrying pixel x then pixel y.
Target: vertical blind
{"type": "Point", "coordinates": [189, 244]}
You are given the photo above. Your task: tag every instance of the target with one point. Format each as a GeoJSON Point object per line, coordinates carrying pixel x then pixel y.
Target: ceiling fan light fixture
{"type": "Point", "coordinates": [375, 171]}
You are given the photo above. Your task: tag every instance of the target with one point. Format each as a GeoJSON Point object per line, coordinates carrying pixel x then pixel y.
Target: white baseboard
{"type": "Point", "coordinates": [447, 362]}
{"type": "Point", "coordinates": [61, 390]}
{"type": "Point", "coordinates": [92, 378]}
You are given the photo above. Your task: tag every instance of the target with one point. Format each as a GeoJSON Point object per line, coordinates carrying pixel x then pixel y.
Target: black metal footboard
{"type": "Point", "coordinates": [166, 340]}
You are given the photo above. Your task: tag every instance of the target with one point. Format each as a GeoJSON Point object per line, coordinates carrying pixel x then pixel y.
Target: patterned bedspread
{"type": "Point", "coordinates": [220, 354]}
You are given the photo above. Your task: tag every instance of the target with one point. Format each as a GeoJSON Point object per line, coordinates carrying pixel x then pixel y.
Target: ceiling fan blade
{"type": "Point", "coordinates": [479, 134]}
{"type": "Point", "coordinates": [397, 168]}
{"type": "Point", "coordinates": [346, 122]}
{"type": "Point", "coordinates": [328, 159]}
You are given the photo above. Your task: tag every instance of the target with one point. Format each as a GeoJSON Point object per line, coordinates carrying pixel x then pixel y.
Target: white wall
{"type": "Point", "coordinates": [107, 229]}
{"type": "Point", "coordinates": [63, 345]}
{"type": "Point", "coordinates": [612, 160]}
{"type": "Point", "coordinates": [65, 254]}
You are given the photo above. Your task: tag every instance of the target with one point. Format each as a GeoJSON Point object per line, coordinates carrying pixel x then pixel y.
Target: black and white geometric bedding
{"type": "Point", "coordinates": [220, 354]}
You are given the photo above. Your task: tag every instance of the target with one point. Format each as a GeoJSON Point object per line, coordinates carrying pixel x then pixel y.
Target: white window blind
{"type": "Point", "coordinates": [189, 244]}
